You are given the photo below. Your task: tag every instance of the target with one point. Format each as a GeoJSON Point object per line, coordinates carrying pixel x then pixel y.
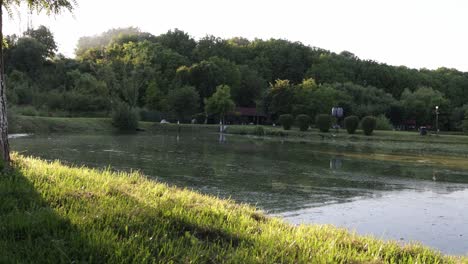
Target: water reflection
{"type": "Point", "coordinates": [247, 170]}
{"type": "Point", "coordinates": [335, 163]}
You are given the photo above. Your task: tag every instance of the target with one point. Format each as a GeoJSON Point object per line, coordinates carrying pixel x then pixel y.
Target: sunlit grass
{"type": "Point", "coordinates": [53, 213]}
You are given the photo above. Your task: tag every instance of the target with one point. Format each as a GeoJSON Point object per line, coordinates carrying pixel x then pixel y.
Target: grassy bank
{"type": "Point", "coordinates": [53, 213]}
{"type": "Point", "coordinates": [41, 125]}
{"type": "Point", "coordinates": [46, 125]}
{"type": "Point", "coordinates": [378, 135]}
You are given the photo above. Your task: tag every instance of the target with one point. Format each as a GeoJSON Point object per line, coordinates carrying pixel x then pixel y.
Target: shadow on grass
{"type": "Point", "coordinates": [115, 228]}
{"type": "Point", "coordinates": [31, 231]}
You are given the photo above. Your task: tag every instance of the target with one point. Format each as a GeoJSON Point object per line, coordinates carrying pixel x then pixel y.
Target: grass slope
{"type": "Point", "coordinates": [47, 125]}
{"type": "Point", "coordinates": [51, 213]}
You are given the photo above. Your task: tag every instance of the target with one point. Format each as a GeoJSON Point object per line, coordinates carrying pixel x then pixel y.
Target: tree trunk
{"type": "Point", "coordinates": [4, 145]}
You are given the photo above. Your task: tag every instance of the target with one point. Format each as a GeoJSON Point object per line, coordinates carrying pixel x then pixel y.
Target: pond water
{"type": "Point", "coordinates": [301, 182]}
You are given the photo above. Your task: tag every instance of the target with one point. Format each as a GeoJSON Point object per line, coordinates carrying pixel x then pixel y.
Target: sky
{"type": "Point", "coordinates": [415, 33]}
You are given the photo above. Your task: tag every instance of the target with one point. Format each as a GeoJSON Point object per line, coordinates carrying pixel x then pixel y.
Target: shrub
{"type": "Point", "coordinates": [27, 111]}
{"type": "Point", "coordinates": [286, 121]}
{"type": "Point", "coordinates": [351, 123]}
{"type": "Point", "coordinates": [465, 123]}
{"type": "Point", "coordinates": [323, 122]}
{"type": "Point", "coordinates": [54, 101]}
{"type": "Point", "coordinates": [303, 122]}
{"type": "Point", "coordinates": [383, 123]}
{"type": "Point", "coordinates": [259, 131]}
{"type": "Point", "coordinates": [12, 120]}
{"type": "Point", "coordinates": [25, 95]}
{"type": "Point", "coordinates": [368, 125]}
{"type": "Point", "coordinates": [124, 118]}
{"type": "Point", "coordinates": [200, 118]}
{"type": "Point", "coordinates": [275, 132]}
{"type": "Point", "coordinates": [150, 115]}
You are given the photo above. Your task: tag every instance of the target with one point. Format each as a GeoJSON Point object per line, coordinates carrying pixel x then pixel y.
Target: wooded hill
{"type": "Point", "coordinates": [171, 75]}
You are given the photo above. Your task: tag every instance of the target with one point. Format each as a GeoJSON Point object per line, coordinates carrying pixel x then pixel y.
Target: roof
{"type": "Point", "coordinates": [248, 111]}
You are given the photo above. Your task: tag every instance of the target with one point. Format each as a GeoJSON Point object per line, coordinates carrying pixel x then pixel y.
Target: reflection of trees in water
{"type": "Point", "coordinates": [274, 176]}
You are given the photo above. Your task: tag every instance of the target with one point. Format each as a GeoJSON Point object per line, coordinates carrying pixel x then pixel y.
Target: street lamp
{"type": "Point", "coordinates": [437, 119]}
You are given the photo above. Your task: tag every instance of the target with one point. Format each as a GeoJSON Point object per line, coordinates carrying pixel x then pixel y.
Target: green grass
{"type": "Point", "coordinates": [52, 213]}
{"type": "Point", "coordinates": [47, 125]}
{"type": "Point", "coordinates": [342, 134]}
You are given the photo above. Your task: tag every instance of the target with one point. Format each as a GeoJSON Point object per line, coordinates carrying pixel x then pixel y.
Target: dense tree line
{"type": "Point", "coordinates": [172, 76]}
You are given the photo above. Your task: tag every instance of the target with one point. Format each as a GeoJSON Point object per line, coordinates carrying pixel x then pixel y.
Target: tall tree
{"type": "Point", "coordinates": [184, 102]}
{"type": "Point", "coordinates": [50, 7]}
{"type": "Point", "coordinates": [45, 37]}
{"type": "Point", "coordinates": [220, 103]}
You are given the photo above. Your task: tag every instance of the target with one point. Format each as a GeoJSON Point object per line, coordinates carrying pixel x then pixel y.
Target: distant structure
{"type": "Point", "coordinates": [247, 115]}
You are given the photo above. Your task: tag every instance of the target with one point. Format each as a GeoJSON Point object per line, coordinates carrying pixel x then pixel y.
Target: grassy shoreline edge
{"type": "Point", "coordinates": [38, 124]}
{"type": "Point", "coordinates": [52, 212]}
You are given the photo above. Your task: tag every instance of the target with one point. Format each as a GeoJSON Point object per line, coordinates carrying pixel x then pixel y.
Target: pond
{"type": "Point", "coordinates": [397, 199]}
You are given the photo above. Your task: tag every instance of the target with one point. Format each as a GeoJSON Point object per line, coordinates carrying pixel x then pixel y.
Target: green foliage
{"type": "Point", "coordinates": [179, 41]}
{"type": "Point", "coordinates": [420, 104]}
{"type": "Point", "coordinates": [25, 110]}
{"type": "Point", "coordinates": [12, 120]}
{"type": "Point", "coordinates": [45, 37]}
{"type": "Point", "coordinates": [465, 123]}
{"type": "Point", "coordinates": [250, 89]}
{"type": "Point", "coordinates": [323, 122]}
{"type": "Point", "coordinates": [124, 118]}
{"type": "Point", "coordinates": [303, 122]}
{"type": "Point", "coordinates": [286, 120]}
{"type": "Point", "coordinates": [220, 103]}
{"type": "Point", "coordinates": [207, 75]}
{"type": "Point", "coordinates": [104, 39]}
{"type": "Point", "coordinates": [140, 69]}
{"type": "Point", "coordinates": [27, 55]}
{"type": "Point", "coordinates": [383, 123]}
{"type": "Point", "coordinates": [368, 124]}
{"type": "Point", "coordinates": [184, 102]}
{"type": "Point", "coordinates": [351, 123]}
{"type": "Point", "coordinates": [154, 97]}
{"type": "Point", "coordinates": [259, 131]}
{"type": "Point", "coordinates": [280, 97]}
{"type": "Point", "coordinates": [200, 118]}
{"type": "Point", "coordinates": [365, 100]}
{"type": "Point", "coordinates": [396, 113]}
{"type": "Point", "coordinates": [150, 115]}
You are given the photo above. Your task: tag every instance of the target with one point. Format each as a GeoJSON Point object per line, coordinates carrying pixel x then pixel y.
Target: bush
{"type": "Point", "coordinates": [351, 123]}
{"type": "Point", "coordinates": [259, 131]}
{"type": "Point", "coordinates": [124, 118]}
{"type": "Point", "coordinates": [368, 125]}
{"type": "Point", "coordinates": [150, 115]}
{"type": "Point", "coordinates": [275, 132]}
{"type": "Point", "coordinates": [27, 111]}
{"type": "Point", "coordinates": [12, 120]}
{"type": "Point", "coordinates": [286, 121]}
{"type": "Point", "coordinates": [323, 122]}
{"type": "Point", "coordinates": [200, 118]}
{"type": "Point", "coordinates": [303, 122]}
{"type": "Point", "coordinates": [383, 123]}
{"type": "Point", "coordinates": [465, 123]}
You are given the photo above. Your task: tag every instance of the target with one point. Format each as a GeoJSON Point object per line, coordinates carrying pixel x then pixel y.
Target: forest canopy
{"type": "Point", "coordinates": [152, 73]}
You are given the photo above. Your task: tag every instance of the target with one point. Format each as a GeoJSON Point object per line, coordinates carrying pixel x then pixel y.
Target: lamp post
{"type": "Point", "coordinates": [437, 119]}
